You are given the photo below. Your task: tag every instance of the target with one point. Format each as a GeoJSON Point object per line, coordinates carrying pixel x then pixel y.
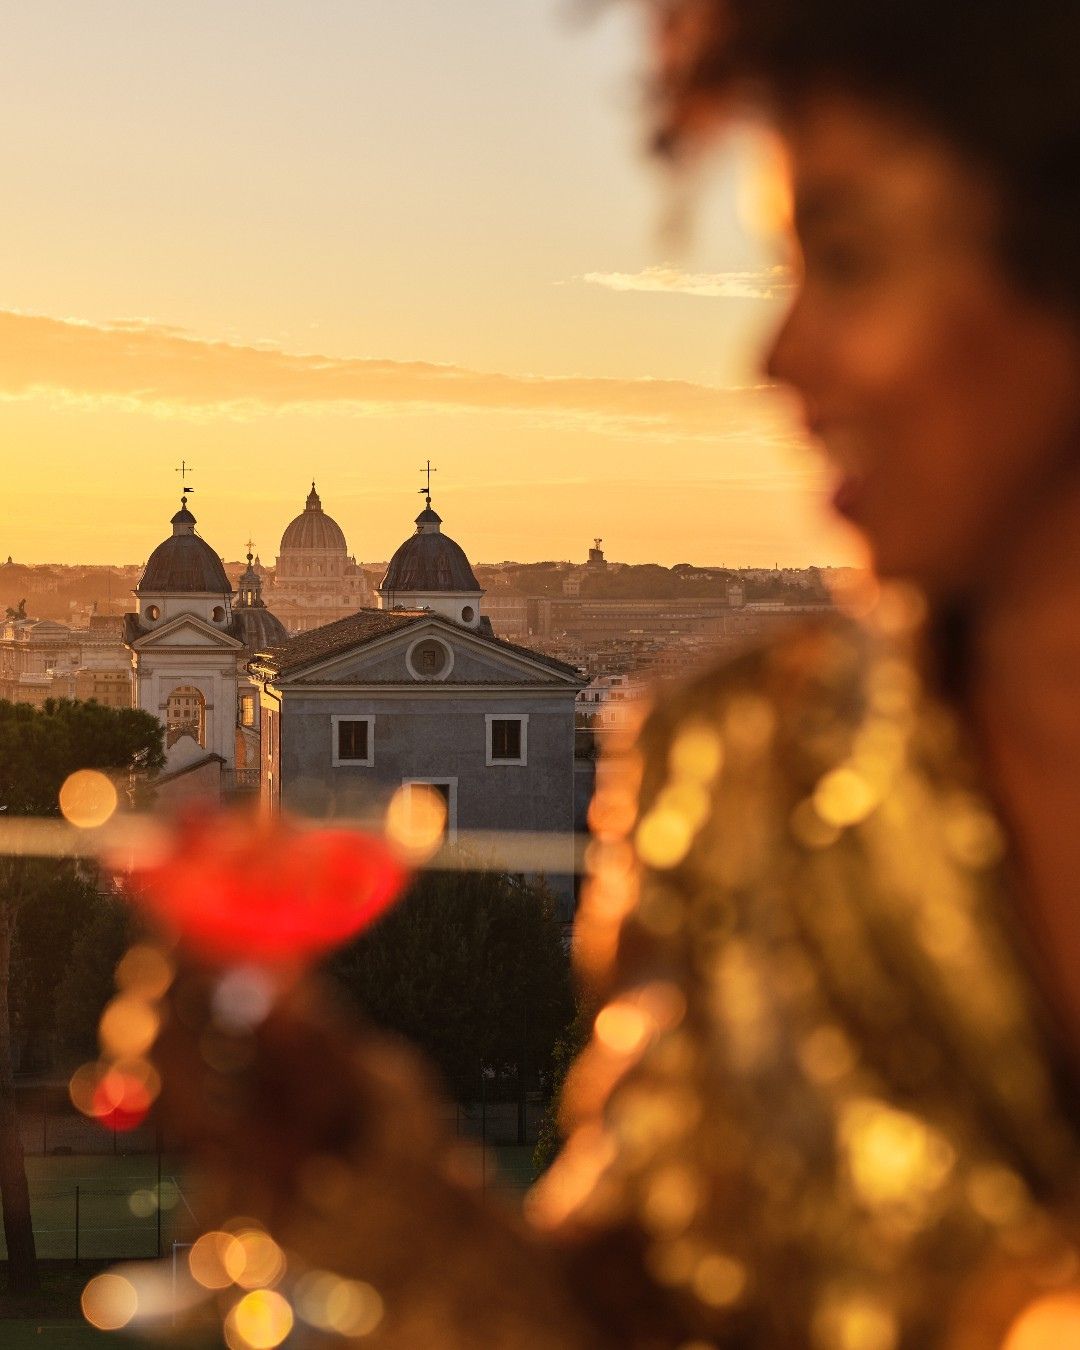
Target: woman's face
{"type": "Point", "coordinates": [947, 401]}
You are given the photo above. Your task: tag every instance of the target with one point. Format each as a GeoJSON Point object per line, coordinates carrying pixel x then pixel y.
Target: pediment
{"type": "Point", "coordinates": [187, 630]}
{"type": "Point", "coordinates": [385, 660]}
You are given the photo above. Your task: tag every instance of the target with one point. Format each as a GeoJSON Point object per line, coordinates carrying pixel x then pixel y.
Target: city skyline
{"type": "Point", "coordinates": [356, 237]}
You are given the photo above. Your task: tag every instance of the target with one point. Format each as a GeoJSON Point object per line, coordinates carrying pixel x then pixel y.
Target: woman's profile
{"type": "Point", "coordinates": [831, 1096]}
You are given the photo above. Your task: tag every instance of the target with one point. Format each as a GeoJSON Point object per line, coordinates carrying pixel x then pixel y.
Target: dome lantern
{"type": "Point", "coordinates": [431, 571]}
{"type": "Point", "coordinates": [183, 567]}
{"type": "Point", "coordinates": [259, 628]}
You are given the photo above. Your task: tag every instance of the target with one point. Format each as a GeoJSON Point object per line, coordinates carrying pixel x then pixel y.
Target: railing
{"type": "Point", "coordinates": [242, 780]}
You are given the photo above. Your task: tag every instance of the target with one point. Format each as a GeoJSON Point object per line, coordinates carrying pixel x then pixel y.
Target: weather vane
{"type": "Point", "coordinates": [186, 490]}
{"type": "Point", "coordinates": [426, 491]}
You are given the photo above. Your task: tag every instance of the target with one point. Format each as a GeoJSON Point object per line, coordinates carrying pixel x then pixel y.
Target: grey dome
{"type": "Point", "coordinates": [184, 563]}
{"type": "Point", "coordinates": [429, 561]}
{"type": "Point", "coordinates": [257, 628]}
{"type": "Point", "coordinates": [313, 529]}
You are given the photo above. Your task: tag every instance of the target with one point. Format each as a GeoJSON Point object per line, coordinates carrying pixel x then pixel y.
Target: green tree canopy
{"type": "Point", "coordinates": [40, 747]}
{"type": "Point", "coordinates": [472, 968]}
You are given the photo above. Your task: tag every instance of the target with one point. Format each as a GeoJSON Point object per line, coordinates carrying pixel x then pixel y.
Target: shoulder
{"type": "Point", "coordinates": [796, 698]}
{"type": "Point", "coordinates": [711, 797]}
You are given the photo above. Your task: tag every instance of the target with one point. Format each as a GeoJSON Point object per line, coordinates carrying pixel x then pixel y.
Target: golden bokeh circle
{"type": "Point", "coordinates": [260, 1321]}
{"type": "Point", "coordinates": [109, 1302]}
{"type": "Point", "coordinates": [88, 799]}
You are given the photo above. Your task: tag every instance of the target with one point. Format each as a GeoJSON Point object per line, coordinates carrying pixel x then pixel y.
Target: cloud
{"type": "Point", "coordinates": [766, 283]}
{"type": "Point", "coordinates": [151, 367]}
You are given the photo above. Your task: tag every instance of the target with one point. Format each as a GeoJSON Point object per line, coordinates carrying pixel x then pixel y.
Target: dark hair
{"type": "Point", "coordinates": [996, 78]}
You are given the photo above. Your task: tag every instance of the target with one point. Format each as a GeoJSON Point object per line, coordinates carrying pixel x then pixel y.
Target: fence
{"type": "Point", "coordinates": [101, 1195]}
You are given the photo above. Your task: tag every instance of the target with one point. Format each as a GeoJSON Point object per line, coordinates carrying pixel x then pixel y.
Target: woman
{"type": "Point", "coordinates": [831, 1096]}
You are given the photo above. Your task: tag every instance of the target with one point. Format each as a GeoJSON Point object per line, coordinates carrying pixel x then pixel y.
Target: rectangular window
{"type": "Point", "coordinates": [352, 741]}
{"type": "Point", "coordinates": [507, 739]}
{"type": "Point", "coordinates": [247, 710]}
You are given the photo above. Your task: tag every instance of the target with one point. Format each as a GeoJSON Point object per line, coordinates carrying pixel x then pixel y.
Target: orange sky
{"type": "Point", "coordinates": [356, 236]}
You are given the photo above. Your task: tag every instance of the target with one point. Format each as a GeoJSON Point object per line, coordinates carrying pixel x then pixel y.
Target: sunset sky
{"type": "Point", "coordinates": [332, 239]}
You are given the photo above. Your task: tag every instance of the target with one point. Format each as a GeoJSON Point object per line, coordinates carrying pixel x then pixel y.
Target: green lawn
{"type": "Point", "coordinates": [105, 1189]}
{"type": "Point", "coordinates": [109, 1230]}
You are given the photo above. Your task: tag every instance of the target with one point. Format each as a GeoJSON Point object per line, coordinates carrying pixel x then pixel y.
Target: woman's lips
{"type": "Point", "coordinates": [842, 449]}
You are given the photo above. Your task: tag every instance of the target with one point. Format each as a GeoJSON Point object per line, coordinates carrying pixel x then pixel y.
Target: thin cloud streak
{"type": "Point", "coordinates": [160, 370]}
{"type": "Point", "coordinates": [767, 283]}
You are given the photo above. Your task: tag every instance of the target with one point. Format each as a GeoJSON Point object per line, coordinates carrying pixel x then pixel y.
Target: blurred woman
{"type": "Point", "coordinates": [831, 1095]}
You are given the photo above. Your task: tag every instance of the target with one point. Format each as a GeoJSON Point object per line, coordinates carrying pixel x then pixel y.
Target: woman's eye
{"type": "Point", "coordinates": [840, 263]}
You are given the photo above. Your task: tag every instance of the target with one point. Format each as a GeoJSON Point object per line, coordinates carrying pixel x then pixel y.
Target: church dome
{"type": "Point", "coordinates": [184, 563]}
{"type": "Point", "coordinates": [258, 629]}
{"type": "Point", "coordinates": [313, 529]}
{"type": "Point", "coordinates": [429, 561]}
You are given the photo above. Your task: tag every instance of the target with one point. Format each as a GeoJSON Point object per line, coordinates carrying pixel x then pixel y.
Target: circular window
{"type": "Point", "coordinates": [429, 659]}
{"type": "Point", "coordinates": [153, 613]}
{"type": "Point", "coordinates": [468, 614]}
{"type": "Point", "coordinates": [219, 614]}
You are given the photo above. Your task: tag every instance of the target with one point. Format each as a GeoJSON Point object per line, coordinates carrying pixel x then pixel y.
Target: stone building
{"type": "Point", "coordinates": [190, 646]}
{"type": "Point", "coordinates": [420, 690]}
{"type": "Point", "coordinates": [42, 659]}
{"type": "Point", "coordinates": [316, 580]}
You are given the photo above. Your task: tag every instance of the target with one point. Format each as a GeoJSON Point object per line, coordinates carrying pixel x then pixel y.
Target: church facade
{"type": "Point", "coordinates": [419, 690]}
{"type": "Point", "coordinates": [190, 641]}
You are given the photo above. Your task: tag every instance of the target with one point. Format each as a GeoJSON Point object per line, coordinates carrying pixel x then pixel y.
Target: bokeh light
{"type": "Point", "coordinates": [1050, 1323]}
{"type": "Point", "coordinates": [128, 1027]}
{"type": "Point", "coordinates": [145, 971]}
{"type": "Point", "coordinates": [207, 1259]}
{"type": "Point", "coordinates": [88, 799]}
{"type": "Point", "coordinates": [254, 1260]}
{"type": "Point", "coordinates": [124, 1094]}
{"type": "Point", "coordinates": [260, 1321]}
{"type": "Point", "coordinates": [109, 1302]}
{"type": "Point", "coordinates": [622, 1028]}
{"type": "Point", "coordinates": [416, 821]}
{"type": "Point", "coordinates": [351, 1308]}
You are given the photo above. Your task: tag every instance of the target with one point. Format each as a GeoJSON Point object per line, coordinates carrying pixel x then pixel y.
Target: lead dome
{"type": "Point", "coordinates": [184, 564]}
{"type": "Point", "coordinates": [429, 561]}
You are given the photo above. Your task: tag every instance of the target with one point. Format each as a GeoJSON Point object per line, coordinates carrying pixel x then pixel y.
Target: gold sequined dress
{"type": "Point", "coordinates": [823, 1089]}
{"type": "Point", "coordinates": [822, 1106]}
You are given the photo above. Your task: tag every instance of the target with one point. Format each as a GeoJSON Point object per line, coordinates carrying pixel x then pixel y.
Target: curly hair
{"type": "Point", "coordinates": [997, 79]}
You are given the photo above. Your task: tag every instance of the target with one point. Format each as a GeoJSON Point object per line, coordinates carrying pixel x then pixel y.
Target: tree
{"type": "Point", "coordinates": [39, 748]}
{"type": "Point", "coordinates": [471, 967]}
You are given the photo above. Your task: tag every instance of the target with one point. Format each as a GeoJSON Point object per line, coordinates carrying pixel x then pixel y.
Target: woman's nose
{"type": "Point", "coordinates": [781, 361]}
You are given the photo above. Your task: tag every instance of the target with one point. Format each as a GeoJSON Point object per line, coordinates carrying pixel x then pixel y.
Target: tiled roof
{"type": "Point", "coordinates": [367, 624]}
{"type": "Point", "coordinates": [352, 631]}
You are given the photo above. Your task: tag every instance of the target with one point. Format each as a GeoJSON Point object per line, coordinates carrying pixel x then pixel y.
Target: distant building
{"type": "Point", "coordinates": [420, 690]}
{"type": "Point", "coordinates": [190, 647]}
{"type": "Point", "coordinates": [42, 659]}
{"type": "Point", "coordinates": [607, 702]}
{"type": "Point", "coordinates": [316, 580]}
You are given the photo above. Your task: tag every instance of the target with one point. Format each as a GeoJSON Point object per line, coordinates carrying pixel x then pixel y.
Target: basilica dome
{"type": "Point", "coordinates": [184, 563]}
{"type": "Point", "coordinates": [313, 529]}
{"type": "Point", "coordinates": [429, 561]}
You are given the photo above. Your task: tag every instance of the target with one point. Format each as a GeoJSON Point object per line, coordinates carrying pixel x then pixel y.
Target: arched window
{"type": "Point", "coordinates": [185, 715]}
